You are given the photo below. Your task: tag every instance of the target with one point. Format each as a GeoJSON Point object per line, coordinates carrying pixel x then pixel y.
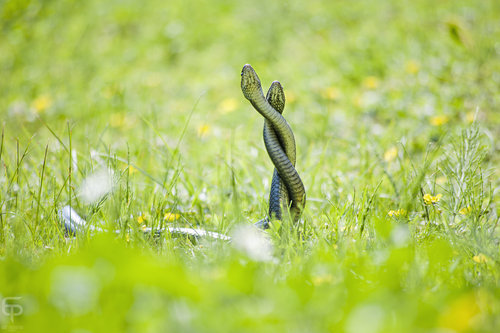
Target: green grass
{"type": "Point", "coordinates": [393, 104]}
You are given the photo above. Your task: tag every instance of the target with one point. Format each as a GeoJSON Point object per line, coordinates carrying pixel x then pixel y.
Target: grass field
{"type": "Point", "coordinates": [131, 112]}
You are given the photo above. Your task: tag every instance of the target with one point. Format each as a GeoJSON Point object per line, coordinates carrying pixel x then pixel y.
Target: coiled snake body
{"type": "Point", "coordinates": [287, 189]}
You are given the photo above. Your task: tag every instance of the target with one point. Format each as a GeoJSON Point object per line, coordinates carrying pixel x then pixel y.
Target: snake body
{"type": "Point", "coordinates": [280, 143]}
{"type": "Point", "coordinates": [278, 196]}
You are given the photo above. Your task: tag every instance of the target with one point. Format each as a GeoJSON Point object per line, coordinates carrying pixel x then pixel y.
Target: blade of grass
{"type": "Point", "coordinates": [1, 200]}
{"type": "Point", "coordinates": [70, 164]}
{"type": "Point", "coordinates": [53, 133]}
{"type": "Point", "coordinates": [38, 199]}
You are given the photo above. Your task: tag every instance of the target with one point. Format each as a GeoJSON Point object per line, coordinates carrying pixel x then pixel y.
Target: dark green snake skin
{"type": "Point", "coordinates": [287, 189]}
{"type": "Point", "coordinates": [278, 196]}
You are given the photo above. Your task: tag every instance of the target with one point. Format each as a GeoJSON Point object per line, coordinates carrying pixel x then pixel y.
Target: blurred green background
{"type": "Point", "coordinates": [389, 101]}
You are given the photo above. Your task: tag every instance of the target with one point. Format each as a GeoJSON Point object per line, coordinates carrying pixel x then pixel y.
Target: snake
{"type": "Point", "coordinates": [280, 145]}
{"type": "Point", "coordinates": [287, 190]}
{"type": "Point", "coordinates": [278, 195]}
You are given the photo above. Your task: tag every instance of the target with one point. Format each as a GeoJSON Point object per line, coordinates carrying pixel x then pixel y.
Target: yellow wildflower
{"type": "Point", "coordinates": [459, 315]}
{"type": "Point", "coordinates": [117, 119]}
{"type": "Point", "coordinates": [465, 210]}
{"type": "Point", "coordinates": [322, 279]}
{"type": "Point", "coordinates": [370, 82]}
{"type": "Point", "coordinates": [331, 93]}
{"type": "Point", "coordinates": [203, 130]}
{"type": "Point", "coordinates": [358, 101]}
{"type": "Point", "coordinates": [470, 116]}
{"type": "Point", "coordinates": [41, 103]}
{"type": "Point", "coordinates": [480, 258]}
{"type": "Point", "coordinates": [441, 180]}
{"type": "Point", "coordinates": [143, 218]}
{"type": "Point", "coordinates": [131, 169]}
{"type": "Point", "coordinates": [412, 67]}
{"type": "Point", "coordinates": [397, 213]}
{"type": "Point", "coordinates": [390, 154]}
{"type": "Point", "coordinates": [169, 216]}
{"type": "Point", "coordinates": [439, 120]}
{"type": "Point", "coordinates": [432, 199]}
{"type": "Point", "coordinates": [228, 105]}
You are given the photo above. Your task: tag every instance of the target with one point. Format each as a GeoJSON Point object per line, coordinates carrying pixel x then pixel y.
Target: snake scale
{"type": "Point", "coordinates": [287, 189]}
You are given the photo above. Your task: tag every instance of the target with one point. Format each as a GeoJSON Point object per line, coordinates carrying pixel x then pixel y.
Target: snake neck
{"type": "Point", "coordinates": [268, 127]}
{"type": "Point", "coordinates": [279, 124]}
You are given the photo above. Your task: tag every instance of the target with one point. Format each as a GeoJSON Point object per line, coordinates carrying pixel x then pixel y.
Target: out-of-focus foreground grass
{"type": "Point", "coordinates": [131, 112]}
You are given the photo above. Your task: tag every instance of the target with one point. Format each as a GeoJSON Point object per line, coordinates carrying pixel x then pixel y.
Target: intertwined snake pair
{"type": "Point", "coordinates": [287, 189]}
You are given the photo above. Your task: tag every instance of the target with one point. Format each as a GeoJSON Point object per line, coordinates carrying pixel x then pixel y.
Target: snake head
{"type": "Point", "coordinates": [276, 96]}
{"type": "Point", "coordinates": [250, 83]}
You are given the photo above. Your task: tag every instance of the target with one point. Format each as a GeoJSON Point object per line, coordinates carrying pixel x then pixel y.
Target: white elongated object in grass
{"type": "Point", "coordinates": [73, 224]}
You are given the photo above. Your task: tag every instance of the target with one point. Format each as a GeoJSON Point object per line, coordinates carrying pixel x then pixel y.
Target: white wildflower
{"type": "Point", "coordinates": [253, 242]}
{"type": "Point", "coordinates": [96, 185]}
